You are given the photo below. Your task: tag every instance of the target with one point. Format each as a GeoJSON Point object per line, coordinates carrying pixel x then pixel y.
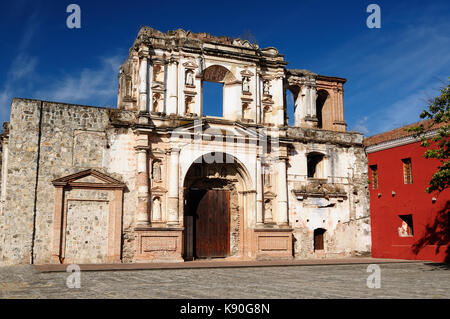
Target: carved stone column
{"type": "Point", "coordinates": [282, 192]}
{"type": "Point", "coordinates": [313, 96]}
{"type": "Point", "coordinates": [259, 193]}
{"type": "Point", "coordinates": [142, 186]}
{"type": "Point", "coordinates": [173, 209]}
{"type": "Point", "coordinates": [338, 110]}
{"type": "Point", "coordinates": [143, 82]}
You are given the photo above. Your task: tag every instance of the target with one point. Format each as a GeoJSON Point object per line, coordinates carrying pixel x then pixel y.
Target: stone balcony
{"type": "Point", "coordinates": [324, 136]}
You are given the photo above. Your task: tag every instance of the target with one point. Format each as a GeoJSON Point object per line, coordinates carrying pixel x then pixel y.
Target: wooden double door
{"type": "Point", "coordinates": [208, 224]}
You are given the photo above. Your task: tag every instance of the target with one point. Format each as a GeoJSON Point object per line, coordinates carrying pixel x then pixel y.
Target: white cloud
{"type": "Point", "coordinates": [90, 85]}
{"type": "Point", "coordinates": [406, 110]}
{"type": "Point", "coordinates": [22, 66]}
{"type": "Point", "coordinates": [21, 72]}
{"type": "Point", "coordinates": [361, 126]}
{"type": "Point", "coordinates": [19, 75]}
{"type": "Point", "coordinates": [392, 71]}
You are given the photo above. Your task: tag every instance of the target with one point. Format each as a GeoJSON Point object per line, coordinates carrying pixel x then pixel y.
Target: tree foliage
{"type": "Point", "coordinates": [438, 145]}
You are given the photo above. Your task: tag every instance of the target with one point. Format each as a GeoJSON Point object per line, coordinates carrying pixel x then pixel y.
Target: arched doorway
{"type": "Point", "coordinates": [324, 110]}
{"type": "Point", "coordinates": [214, 207]}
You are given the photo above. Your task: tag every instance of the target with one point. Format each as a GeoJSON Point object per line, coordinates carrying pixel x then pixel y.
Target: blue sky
{"type": "Point", "coordinates": [390, 71]}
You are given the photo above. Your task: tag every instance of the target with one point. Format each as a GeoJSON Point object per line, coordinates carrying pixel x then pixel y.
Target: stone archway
{"type": "Point", "coordinates": [218, 73]}
{"type": "Point", "coordinates": [324, 110]}
{"type": "Point", "coordinates": [222, 184]}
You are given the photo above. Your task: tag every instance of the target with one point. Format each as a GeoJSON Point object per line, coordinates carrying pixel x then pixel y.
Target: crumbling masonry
{"type": "Point", "coordinates": [158, 180]}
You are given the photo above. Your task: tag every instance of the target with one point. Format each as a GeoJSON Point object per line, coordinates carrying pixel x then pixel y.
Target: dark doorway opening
{"type": "Point", "coordinates": [207, 222]}
{"type": "Point", "coordinates": [318, 239]}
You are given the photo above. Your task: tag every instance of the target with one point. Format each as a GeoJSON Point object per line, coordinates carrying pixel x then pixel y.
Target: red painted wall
{"type": "Point", "coordinates": [430, 239]}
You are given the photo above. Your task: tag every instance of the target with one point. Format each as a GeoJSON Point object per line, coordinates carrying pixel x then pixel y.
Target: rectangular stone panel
{"type": "Point", "coordinates": [273, 243]}
{"type": "Point", "coordinates": [158, 243]}
{"type": "Point", "coordinates": [86, 233]}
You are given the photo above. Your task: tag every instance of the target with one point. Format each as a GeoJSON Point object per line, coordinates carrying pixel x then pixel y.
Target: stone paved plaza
{"type": "Point", "coordinates": [398, 280]}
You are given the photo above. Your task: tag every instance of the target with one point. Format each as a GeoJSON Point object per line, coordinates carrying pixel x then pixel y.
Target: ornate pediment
{"type": "Point", "coordinates": [90, 178]}
{"type": "Point", "coordinates": [190, 65]}
{"type": "Point", "coordinates": [158, 190]}
{"type": "Point", "coordinates": [158, 87]}
{"type": "Point", "coordinates": [269, 195]}
{"type": "Point", "coordinates": [271, 51]}
{"type": "Point", "coordinates": [247, 73]}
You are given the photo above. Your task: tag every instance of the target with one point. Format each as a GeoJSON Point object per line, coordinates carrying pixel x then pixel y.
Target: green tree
{"type": "Point", "coordinates": [438, 146]}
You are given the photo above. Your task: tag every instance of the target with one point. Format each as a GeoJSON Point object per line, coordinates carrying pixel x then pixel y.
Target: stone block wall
{"type": "Point", "coordinates": [54, 140]}
{"type": "Point", "coordinates": [338, 202]}
{"type": "Point", "coordinates": [21, 181]}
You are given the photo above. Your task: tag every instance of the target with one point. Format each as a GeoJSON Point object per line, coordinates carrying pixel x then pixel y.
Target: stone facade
{"type": "Point", "coordinates": [93, 185]}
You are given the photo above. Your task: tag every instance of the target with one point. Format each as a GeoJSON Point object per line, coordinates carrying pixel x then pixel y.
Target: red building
{"type": "Point", "coordinates": [407, 222]}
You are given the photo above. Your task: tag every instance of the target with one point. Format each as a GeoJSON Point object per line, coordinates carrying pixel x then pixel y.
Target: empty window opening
{"type": "Point", "coordinates": [406, 228]}
{"type": "Point", "coordinates": [291, 95]}
{"type": "Point", "coordinates": [318, 239]}
{"type": "Point", "coordinates": [374, 175]}
{"type": "Point", "coordinates": [212, 99]}
{"type": "Point", "coordinates": [321, 107]}
{"type": "Point", "coordinates": [315, 165]}
{"type": "Point", "coordinates": [407, 171]}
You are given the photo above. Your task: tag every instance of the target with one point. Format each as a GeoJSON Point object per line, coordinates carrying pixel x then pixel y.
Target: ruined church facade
{"type": "Point", "coordinates": [158, 180]}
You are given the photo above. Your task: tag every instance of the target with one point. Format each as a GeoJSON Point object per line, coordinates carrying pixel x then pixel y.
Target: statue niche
{"type": "Point", "coordinates": [266, 87]}
{"type": "Point", "coordinates": [188, 104]}
{"type": "Point", "coordinates": [268, 217]}
{"type": "Point", "coordinates": [156, 209]}
{"type": "Point", "coordinates": [158, 75]}
{"type": "Point", "coordinates": [156, 171]}
{"type": "Point", "coordinates": [156, 102]}
{"type": "Point", "coordinates": [245, 84]}
{"type": "Point", "coordinates": [189, 80]}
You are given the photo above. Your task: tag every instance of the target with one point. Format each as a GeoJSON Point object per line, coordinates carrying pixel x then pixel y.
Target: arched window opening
{"type": "Point", "coordinates": [291, 97]}
{"type": "Point", "coordinates": [322, 97]}
{"type": "Point", "coordinates": [315, 165]}
{"type": "Point", "coordinates": [212, 99]}
{"type": "Point", "coordinates": [318, 238]}
{"type": "Point", "coordinates": [215, 79]}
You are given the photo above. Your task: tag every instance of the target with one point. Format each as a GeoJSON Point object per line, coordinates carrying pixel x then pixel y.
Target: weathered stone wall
{"type": "Point", "coordinates": [20, 189]}
{"type": "Point", "coordinates": [160, 93]}
{"type": "Point", "coordinates": [338, 202]}
{"type": "Point", "coordinates": [63, 152]}
{"type": "Point", "coordinates": [120, 159]}
{"type": "Point", "coordinates": [72, 138]}
{"type": "Point", "coordinates": [86, 231]}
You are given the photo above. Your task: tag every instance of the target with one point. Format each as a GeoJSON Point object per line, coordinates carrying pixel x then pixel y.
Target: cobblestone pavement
{"type": "Point", "coordinates": [406, 280]}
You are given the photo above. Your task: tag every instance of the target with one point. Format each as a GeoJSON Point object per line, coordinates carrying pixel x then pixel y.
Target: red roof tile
{"type": "Point", "coordinates": [398, 133]}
